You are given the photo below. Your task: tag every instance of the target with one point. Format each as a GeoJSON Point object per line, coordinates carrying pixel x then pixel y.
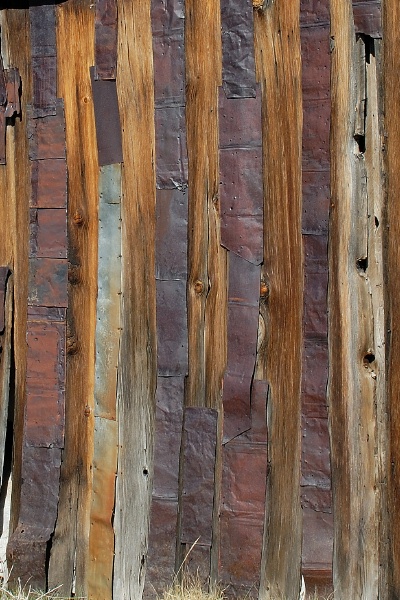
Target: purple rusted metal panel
{"type": "Point", "coordinates": [238, 64]}
{"type": "Point", "coordinates": [199, 448]}
{"type": "Point", "coordinates": [106, 31]}
{"type": "Point", "coordinates": [314, 12]}
{"type": "Point", "coordinates": [316, 134]}
{"type": "Point", "coordinates": [45, 83]}
{"type": "Point", "coordinates": [316, 469]}
{"type": "Point", "coordinates": [167, 16]}
{"type": "Point", "coordinates": [315, 57]}
{"type": "Point", "coordinates": [317, 541]}
{"type": "Point", "coordinates": [48, 233]}
{"type": "Point", "coordinates": [236, 403]}
{"type": "Point", "coordinates": [171, 152]}
{"type": "Point", "coordinates": [48, 278]}
{"type": "Point", "coordinates": [49, 183]}
{"type": "Point", "coordinates": [46, 133]}
{"type": "Point", "coordinates": [43, 30]}
{"type": "Point", "coordinates": [240, 121]}
{"type": "Point", "coordinates": [162, 544]}
{"type": "Point", "coordinates": [316, 287]}
{"type": "Point", "coordinates": [241, 198]}
{"type": "Point", "coordinates": [368, 18]}
{"type": "Point", "coordinates": [257, 434]}
{"type": "Point", "coordinates": [316, 198]}
{"type": "Point", "coordinates": [244, 282]}
{"type": "Point", "coordinates": [169, 69]}
{"type": "Point", "coordinates": [242, 514]}
{"type": "Point", "coordinates": [172, 340]}
{"type": "Point", "coordinates": [108, 127]}
{"type": "Point", "coordinates": [315, 378]}
{"type": "Point", "coordinates": [171, 234]}
{"type": "Point", "coordinates": [168, 433]}
{"type": "Point", "coordinates": [242, 339]}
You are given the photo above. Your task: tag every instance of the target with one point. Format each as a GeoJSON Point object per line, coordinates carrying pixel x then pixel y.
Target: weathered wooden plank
{"type": "Point", "coordinates": [137, 376]}
{"type": "Point", "coordinates": [277, 34]}
{"type": "Point", "coordinates": [354, 335]}
{"type": "Point", "coordinates": [391, 90]}
{"type": "Point", "coordinates": [69, 552]}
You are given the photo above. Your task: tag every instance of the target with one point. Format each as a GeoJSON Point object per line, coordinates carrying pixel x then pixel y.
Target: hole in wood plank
{"type": "Point", "coordinates": [362, 264]}
{"type": "Point", "coordinates": [369, 358]}
{"type": "Point", "coordinates": [360, 139]}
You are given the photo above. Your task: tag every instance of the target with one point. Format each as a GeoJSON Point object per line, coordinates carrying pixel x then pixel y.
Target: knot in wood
{"type": "Point", "coordinates": [78, 218]}
{"type": "Point", "coordinates": [88, 410]}
{"type": "Point", "coordinates": [264, 290]}
{"type": "Point", "coordinates": [199, 287]}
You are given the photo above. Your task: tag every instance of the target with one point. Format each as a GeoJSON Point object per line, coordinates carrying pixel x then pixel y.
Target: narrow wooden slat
{"type": "Point", "coordinates": [391, 91]}
{"type": "Point", "coordinates": [277, 42]}
{"type": "Point", "coordinates": [137, 375]}
{"type": "Point", "coordinates": [69, 553]}
{"type": "Point", "coordinates": [356, 386]}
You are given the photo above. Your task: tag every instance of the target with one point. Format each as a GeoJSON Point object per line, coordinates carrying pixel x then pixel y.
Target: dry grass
{"type": "Point", "coordinates": [27, 593]}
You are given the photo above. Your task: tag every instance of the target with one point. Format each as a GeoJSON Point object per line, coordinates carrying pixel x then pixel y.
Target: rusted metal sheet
{"type": "Point", "coordinates": [167, 16]}
{"type": "Point", "coordinates": [244, 282]}
{"type": "Point", "coordinates": [172, 342]}
{"type": "Point", "coordinates": [316, 196]}
{"type": "Point", "coordinates": [48, 233]}
{"type": "Point", "coordinates": [316, 134]}
{"type": "Point", "coordinates": [197, 563]}
{"type": "Point", "coordinates": [242, 514]}
{"type": "Point", "coordinates": [45, 83]}
{"type": "Point", "coordinates": [2, 135]}
{"type": "Point", "coordinates": [315, 55]}
{"type": "Point", "coordinates": [46, 134]}
{"type": "Point", "coordinates": [168, 433]}
{"type": "Point", "coordinates": [43, 30]}
{"type": "Point", "coordinates": [257, 434]}
{"type": "Point", "coordinates": [242, 339]}
{"type": "Point", "coordinates": [46, 354]}
{"type": "Point", "coordinates": [48, 278]}
{"type": "Point", "coordinates": [241, 198]}
{"type": "Point", "coordinates": [171, 152]}
{"type": "Point", "coordinates": [238, 65]}
{"type": "Point", "coordinates": [169, 69]}
{"type": "Point", "coordinates": [108, 126]}
{"type": "Point", "coordinates": [314, 12]}
{"type": "Point", "coordinates": [106, 31]}
{"type": "Point", "coordinates": [49, 183]}
{"type": "Point", "coordinates": [27, 547]}
{"type": "Point", "coordinates": [108, 323]}
{"type": "Point", "coordinates": [236, 403]}
{"type": "Point", "coordinates": [317, 542]}
{"type": "Point", "coordinates": [171, 234]}
{"type": "Point", "coordinates": [368, 18]}
{"type": "Point", "coordinates": [315, 378]}
{"type": "Point", "coordinates": [4, 274]}
{"type": "Point", "coordinates": [199, 448]}
{"type": "Point", "coordinates": [162, 544]}
{"type": "Point", "coordinates": [240, 121]}
{"type": "Point", "coordinates": [101, 538]}
{"type": "Point", "coordinates": [316, 286]}
{"type": "Point", "coordinates": [316, 469]}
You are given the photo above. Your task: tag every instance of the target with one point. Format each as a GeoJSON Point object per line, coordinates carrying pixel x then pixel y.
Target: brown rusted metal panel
{"type": "Point", "coordinates": [27, 547]}
{"type": "Point", "coordinates": [46, 354]}
{"type": "Point", "coordinates": [316, 469]}
{"type": "Point", "coordinates": [108, 126]}
{"type": "Point", "coordinates": [199, 448]}
{"type": "Point", "coordinates": [4, 274]}
{"type": "Point", "coordinates": [316, 134]}
{"type": "Point", "coordinates": [172, 344]}
{"type": "Point", "coordinates": [162, 544]}
{"type": "Point", "coordinates": [241, 197]}
{"type": "Point", "coordinates": [48, 233]}
{"type": "Point", "coordinates": [167, 16]}
{"type": "Point", "coordinates": [171, 152]}
{"type": "Point", "coordinates": [316, 286]}
{"type": "Point", "coordinates": [197, 564]}
{"type": "Point", "coordinates": [242, 514]}
{"type": "Point", "coordinates": [169, 69]}
{"type": "Point", "coordinates": [315, 55]}
{"type": "Point", "coordinates": [171, 234]}
{"type": "Point", "coordinates": [314, 12]}
{"type": "Point", "coordinates": [45, 418]}
{"type": "Point", "coordinates": [106, 31]}
{"type": "Point", "coordinates": [239, 121]}
{"type": "Point", "coordinates": [45, 83]}
{"type": "Point", "coordinates": [236, 403]}
{"type": "Point", "coordinates": [315, 378]}
{"type": "Point", "coordinates": [238, 65]}
{"type": "Point", "coordinates": [48, 278]}
{"type": "Point", "coordinates": [49, 183]}
{"type": "Point", "coordinates": [46, 134]}
{"type": "Point", "coordinates": [368, 18]}
{"type": "Point", "coordinates": [316, 195]}
{"type": "Point", "coordinates": [169, 418]}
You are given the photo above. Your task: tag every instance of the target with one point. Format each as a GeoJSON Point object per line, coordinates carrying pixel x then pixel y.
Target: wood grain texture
{"type": "Point", "coordinates": [391, 66]}
{"type": "Point", "coordinates": [207, 260]}
{"type": "Point", "coordinates": [356, 386]}
{"type": "Point", "coordinates": [277, 39]}
{"type": "Point", "coordinates": [69, 553]}
{"type": "Point", "coordinates": [137, 375]}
